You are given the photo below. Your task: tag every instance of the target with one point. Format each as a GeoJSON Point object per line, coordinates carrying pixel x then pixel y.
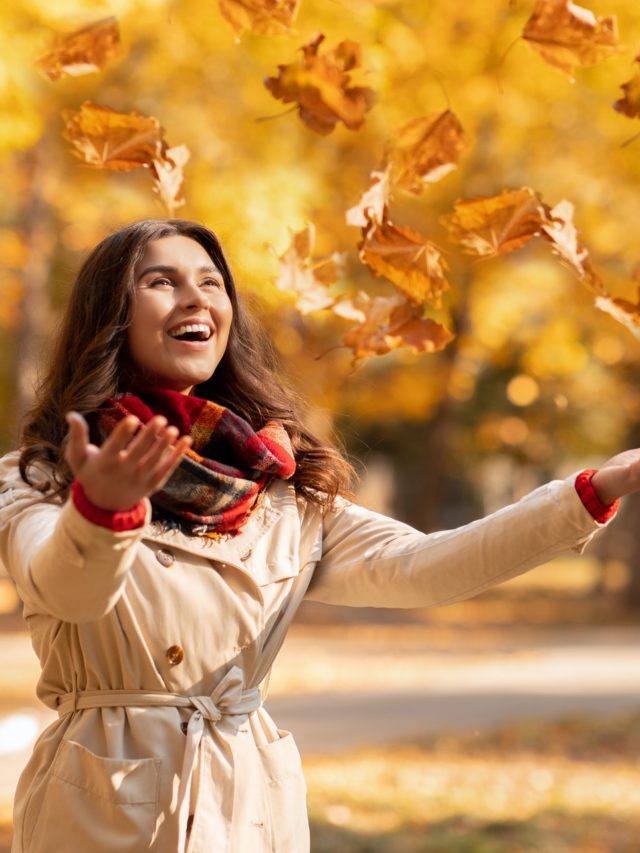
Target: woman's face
{"type": "Point", "coordinates": [181, 315]}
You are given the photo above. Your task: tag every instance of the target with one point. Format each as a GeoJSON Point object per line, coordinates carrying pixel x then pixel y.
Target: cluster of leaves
{"type": "Point", "coordinates": [425, 149]}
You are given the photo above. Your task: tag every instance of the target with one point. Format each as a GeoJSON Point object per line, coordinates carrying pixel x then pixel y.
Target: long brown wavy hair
{"type": "Point", "coordinates": [89, 366]}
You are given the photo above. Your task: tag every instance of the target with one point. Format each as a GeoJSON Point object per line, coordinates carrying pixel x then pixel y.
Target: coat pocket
{"type": "Point", "coordinates": [286, 794]}
{"type": "Point", "coordinates": [93, 803]}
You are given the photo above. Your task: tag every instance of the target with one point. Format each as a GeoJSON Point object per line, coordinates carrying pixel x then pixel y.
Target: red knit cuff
{"type": "Point", "coordinates": [129, 519]}
{"type": "Point", "coordinates": [600, 512]}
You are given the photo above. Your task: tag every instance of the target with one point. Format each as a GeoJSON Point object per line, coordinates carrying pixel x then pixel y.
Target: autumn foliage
{"type": "Point", "coordinates": [325, 81]}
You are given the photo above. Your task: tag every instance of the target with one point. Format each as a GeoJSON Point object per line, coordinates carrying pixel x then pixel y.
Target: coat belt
{"type": "Point", "coordinates": [227, 699]}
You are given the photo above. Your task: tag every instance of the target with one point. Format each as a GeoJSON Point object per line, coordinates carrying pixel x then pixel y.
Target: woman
{"type": "Point", "coordinates": [165, 517]}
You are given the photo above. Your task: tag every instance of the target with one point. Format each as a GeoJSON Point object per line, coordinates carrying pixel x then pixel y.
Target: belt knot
{"type": "Point", "coordinates": [207, 708]}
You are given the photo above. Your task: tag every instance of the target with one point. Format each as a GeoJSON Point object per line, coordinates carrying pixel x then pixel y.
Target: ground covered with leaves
{"type": "Point", "coordinates": [571, 785]}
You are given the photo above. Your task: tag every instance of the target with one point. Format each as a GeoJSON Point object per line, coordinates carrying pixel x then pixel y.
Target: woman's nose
{"type": "Point", "coordinates": [192, 296]}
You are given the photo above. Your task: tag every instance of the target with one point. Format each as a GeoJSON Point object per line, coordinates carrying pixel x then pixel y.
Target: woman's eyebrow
{"type": "Point", "coordinates": [168, 269]}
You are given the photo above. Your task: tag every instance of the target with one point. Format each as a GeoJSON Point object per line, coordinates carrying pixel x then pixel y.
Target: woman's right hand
{"type": "Point", "coordinates": [134, 461]}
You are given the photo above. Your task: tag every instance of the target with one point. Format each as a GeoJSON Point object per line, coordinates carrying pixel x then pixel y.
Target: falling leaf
{"type": "Point", "coordinates": [627, 313]}
{"type": "Point", "coordinates": [309, 279]}
{"type": "Point", "coordinates": [386, 323]}
{"type": "Point", "coordinates": [264, 17]}
{"type": "Point", "coordinates": [168, 176]}
{"type": "Point", "coordinates": [629, 105]}
{"type": "Point", "coordinates": [107, 139]}
{"type": "Point", "coordinates": [319, 85]}
{"type": "Point", "coordinates": [563, 236]}
{"type": "Point", "coordinates": [424, 150]}
{"type": "Point", "coordinates": [494, 225]}
{"type": "Point", "coordinates": [84, 51]}
{"type": "Point", "coordinates": [413, 264]}
{"type": "Point", "coordinates": [373, 203]}
{"type": "Point", "coordinates": [567, 36]}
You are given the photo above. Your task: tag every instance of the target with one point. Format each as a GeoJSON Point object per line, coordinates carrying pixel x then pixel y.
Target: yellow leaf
{"type": "Point", "coordinates": [320, 86]}
{"type": "Point", "coordinates": [82, 52]}
{"type": "Point", "coordinates": [424, 150]}
{"type": "Point", "coordinates": [494, 225]}
{"type": "Point", "coordinates": [264, 17]}
{"type": "Point", "coordinates": [568, 36]}
{"type": "Point", "coordinates": [411, 262]}
{"type": "Point", "coordinates": [107, 139]}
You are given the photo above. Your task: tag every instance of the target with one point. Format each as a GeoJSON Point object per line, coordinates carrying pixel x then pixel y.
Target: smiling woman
{"type": "Point", "coordinates": [181, 316]}
{"type": "Point", "coordinates": [164, 518]}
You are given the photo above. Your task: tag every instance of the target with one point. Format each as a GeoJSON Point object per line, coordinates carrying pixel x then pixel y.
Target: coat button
{"type": "Point", "coordinates": [165, 558]}
{"type": "Point", "coordinates": [174, 655]}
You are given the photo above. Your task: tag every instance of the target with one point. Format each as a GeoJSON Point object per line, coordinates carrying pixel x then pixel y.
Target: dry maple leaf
{"type": "Point", "coordinates": [319, 85]}
{"type": "Point", "coordinates": [627, 313]}
{"type": "Point", "coordinates": [560, 231]}
{"type": "Point", "coordinates": [494, 225]}
{"type": "Point", "coordinates": [629, 104]}
{"type": "Point", "coordinates": [309, 279]}
{"type": "Point", "coordinates": [424, 150]}
{"type": "Point", "coordinates": [107, 139]}
{"type": "Point", "coordinates": [372, 206]}
{"type": "Point", "coordinates": [567, 36]}
{"type": "Point", "coordinates": [168, 176]}
{"type": "Point", "coordinates": [264, 17]}
{"type": "Point", "coordinates": [81, 52]}
{"type": "Point", "coordinates": [386, 323]}
{"type": "Point", "coordinates": [411, 262]}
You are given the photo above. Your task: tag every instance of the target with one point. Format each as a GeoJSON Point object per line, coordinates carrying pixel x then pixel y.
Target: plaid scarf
{"type": "Point", "coordinates": [218, 482]}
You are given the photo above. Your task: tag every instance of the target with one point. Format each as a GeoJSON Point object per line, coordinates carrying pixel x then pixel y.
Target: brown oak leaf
{"type": "Point", "coordinates": [386, 323]}
{"type": "Point", "coordinates": [81, 52]}
{"type": "Point", "coordinates": [168, 176]}
{"type": "Point", "coordinates": [494, 225]}
{"type": "Point", "coordinates": [424, 150]}
{"type": "Point", "coordinates": [625, 312]}
{"type": "Point", "coordinates": [320, 86]}
{"type": "Point", "coordinates": [560, 231]}
{"type": "Point", "coordinates": [372, 206]}
{"type": "Point", "coordinates": [412, 263]}
{"type": "Point", "coordinates": [629, 104]}
{"type": "Point", "coordinates": [568, 36]}
{"type": "Point", "coordinates": [107, 139]}
{"type": "Point", "coordinates": [264, 17]}
{"type": "Point", "coordinates": [309, 279]}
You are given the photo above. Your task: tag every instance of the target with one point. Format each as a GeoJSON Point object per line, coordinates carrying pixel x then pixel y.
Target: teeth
{"type": "Point", "coordinates": [191, 327]}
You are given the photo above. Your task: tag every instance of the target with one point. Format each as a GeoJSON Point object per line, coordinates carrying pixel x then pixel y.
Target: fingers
{"type": "Point", "coordinates": [166, 464]}
{"type": "Point", "coordinates": [78, 443]}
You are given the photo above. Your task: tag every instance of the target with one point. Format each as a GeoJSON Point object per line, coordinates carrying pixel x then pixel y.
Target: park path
{"type": "Point", "coordinates": [338, 690]}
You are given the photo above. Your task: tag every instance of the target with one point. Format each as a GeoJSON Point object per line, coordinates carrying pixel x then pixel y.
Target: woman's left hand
{"type": "Point", "coordinates": [619, 476]}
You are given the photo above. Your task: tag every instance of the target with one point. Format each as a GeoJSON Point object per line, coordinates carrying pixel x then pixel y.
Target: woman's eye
{"type": "Point", "coordinates": [212, 282]}
{"type": "Point", "coordinates": [161, 282]}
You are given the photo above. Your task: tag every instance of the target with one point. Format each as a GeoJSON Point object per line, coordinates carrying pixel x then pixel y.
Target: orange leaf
{"type": "Point", "coordinates": [494, 225]}
{"type": "Point", "coordinates": [561, 233]}
{"type": "Point", "coordinates": [309, 279]}
{"type": "Point", "coordinates": [111, 140]}
{"type": "Point", "coordinates": [388, 323]}
{"type": "Point", "coordinates": [83, 51]}
{"type": "Point", "coordinates": [627, 313]}
{"type": "Point", "coordinates": [373, 202]}
{"type": "Point", "coordinates": [629, 105]}
{"type": "Point", "coordinates": [264, 17]}
{"type": "Point", "coordinates": [567, 36]}
{"type": "Point", "coordinates": [168, 176]}
{"type": "Point", "coordinates": [413, 264]}
{"type": "Point", "coordinates": [424, 150]}
{"type": "Point", "coordinates": [319, 85]}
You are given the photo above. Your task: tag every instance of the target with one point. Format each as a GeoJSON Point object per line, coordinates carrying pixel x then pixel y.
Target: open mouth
{"type": "Point", "coordinates": [191, 332]}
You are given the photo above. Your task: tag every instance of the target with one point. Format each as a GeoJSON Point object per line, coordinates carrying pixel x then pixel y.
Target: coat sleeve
{"type": "Point", "coordinates": [369, 560]}
{"type": "Point", "coordinates": [61, 564]}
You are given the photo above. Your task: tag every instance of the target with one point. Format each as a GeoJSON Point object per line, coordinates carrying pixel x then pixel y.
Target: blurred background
{"type": "Point", "coordinates": [520, 710]}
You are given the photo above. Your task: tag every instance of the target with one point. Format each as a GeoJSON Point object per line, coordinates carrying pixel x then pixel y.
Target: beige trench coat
{"type": "Point", "coordinates": [153, 646]}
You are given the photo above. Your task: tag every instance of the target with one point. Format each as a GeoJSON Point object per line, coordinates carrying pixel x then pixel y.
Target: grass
{"type": "Point", "coordinates": [572, 785]}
